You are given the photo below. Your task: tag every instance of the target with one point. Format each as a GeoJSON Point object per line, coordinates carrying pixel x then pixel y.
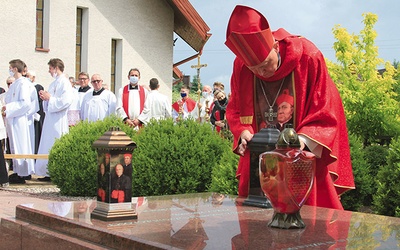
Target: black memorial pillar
{"type": "Point", "coordinates": [264, 140]}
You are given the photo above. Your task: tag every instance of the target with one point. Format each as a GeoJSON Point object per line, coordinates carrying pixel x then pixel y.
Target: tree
{"type": "Point", "coordinates": [396, 87]}
{"type": "Point", "coordinates": [369, 98]}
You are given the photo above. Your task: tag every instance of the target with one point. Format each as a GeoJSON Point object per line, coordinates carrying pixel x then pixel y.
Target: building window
{"type": "Point", "coordinates": [113, 64]}
{"type": "Point", "coordinates": [116, 57]}
{"type": "Point", "coordinates": [78, 46]}
{"type": "Point", "coordinates": [42, 25]}
{"type": "Point", "coordinates": [81, 42]}
{"type": "Point", "coordinates": [39, 23]}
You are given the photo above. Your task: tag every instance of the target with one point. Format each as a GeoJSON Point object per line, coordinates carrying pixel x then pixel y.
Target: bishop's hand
{"type": "Point", "coordinates": [245, 137]}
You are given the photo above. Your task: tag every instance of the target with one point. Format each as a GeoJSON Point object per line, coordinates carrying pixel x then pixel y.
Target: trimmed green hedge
{"type": "Point", "coordinates": [73, 161]}
{"type": "Point", "coordinates": [175, 158]}
{"type": "Point", "coordinates": [169, 159]}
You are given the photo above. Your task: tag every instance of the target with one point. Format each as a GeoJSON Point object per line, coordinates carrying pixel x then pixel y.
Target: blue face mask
{"type": "Point", "coordinates": [134, 79]}
{"type": "Point", "coordinates": [183, 95]}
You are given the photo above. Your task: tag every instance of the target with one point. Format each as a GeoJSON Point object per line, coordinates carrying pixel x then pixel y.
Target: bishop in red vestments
{"type": "Point", "coordinates": [268, 63]}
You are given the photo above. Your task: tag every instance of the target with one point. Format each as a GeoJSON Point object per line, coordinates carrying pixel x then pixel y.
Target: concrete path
{"type": "Point", "coordinates": [30, 192]}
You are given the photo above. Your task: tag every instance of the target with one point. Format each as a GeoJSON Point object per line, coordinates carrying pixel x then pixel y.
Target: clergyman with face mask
{"type": "Point", "coordinates": [185, 108]}
{"type": "Point", "coordinates": [131, 99]}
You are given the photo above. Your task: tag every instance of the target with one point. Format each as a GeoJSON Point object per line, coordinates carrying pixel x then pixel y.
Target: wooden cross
{"type": "Point", "coordinates": [270, 114]}
{"type": "Point", "coordinates": [198, 67]}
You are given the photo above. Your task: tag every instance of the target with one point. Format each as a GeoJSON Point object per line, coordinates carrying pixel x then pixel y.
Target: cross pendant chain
{"type": "Point", "coordinates": [270, 114]}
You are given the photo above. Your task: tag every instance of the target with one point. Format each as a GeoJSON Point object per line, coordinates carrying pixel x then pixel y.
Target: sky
{"type": "Point", "coordinates": [313, 19]}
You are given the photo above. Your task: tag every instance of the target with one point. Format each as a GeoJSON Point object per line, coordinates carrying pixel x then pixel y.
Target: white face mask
{"type": "Point", "coordinates": [134, 79]}
{"type": "Point", "coordinates": [11, 72]}
{"type": "Point", "coordinates": [205, 94]}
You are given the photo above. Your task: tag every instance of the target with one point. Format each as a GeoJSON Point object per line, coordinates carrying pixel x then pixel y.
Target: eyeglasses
{"type": "Point", "coordinates": [9, 83]}
{"type": "Point", "coordinates": [83, 79]}
{"type": "Point", "coordinates": [96, 81]}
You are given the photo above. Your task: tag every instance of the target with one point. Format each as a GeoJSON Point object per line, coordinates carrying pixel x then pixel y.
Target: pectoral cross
{"type": "Point", "coordinates": [270, 114]}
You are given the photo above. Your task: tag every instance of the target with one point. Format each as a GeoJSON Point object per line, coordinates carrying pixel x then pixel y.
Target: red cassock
{"type": "Point", "coordinates": [119, 195]}
{"type": "Point", "coordinates": [102, 194]}
{"type": "Point", "coordinates": [319, 116]}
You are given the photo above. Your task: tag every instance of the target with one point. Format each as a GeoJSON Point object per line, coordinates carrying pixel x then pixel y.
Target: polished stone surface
{"type": "Point", "coordinates": [211, 221]}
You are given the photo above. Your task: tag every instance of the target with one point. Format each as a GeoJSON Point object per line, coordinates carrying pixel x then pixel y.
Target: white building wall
{"type": "Point", "coordinates": [145, 28]}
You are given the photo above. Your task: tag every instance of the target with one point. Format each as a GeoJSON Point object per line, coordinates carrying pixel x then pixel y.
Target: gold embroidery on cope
{"type": "Point", "coordinates": [246, 119]}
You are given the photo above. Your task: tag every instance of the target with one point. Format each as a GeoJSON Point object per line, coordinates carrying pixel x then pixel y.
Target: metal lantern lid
{"type": "Point", "coordinates": [264, 140]}
{"type": "Point", "coordinates": [288, 138]}
{"type": "Point", "coordinates": [114, 139]}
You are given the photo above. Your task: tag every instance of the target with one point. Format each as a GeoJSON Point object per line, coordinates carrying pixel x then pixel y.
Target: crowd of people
{"type": "Point", "coordinates": [210, 108]}
{"type": "Point", "coordinates": [28, 109]}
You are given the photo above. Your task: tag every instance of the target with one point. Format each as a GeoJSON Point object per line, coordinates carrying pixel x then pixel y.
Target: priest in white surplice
{"type": "Point", "coordinates": [17, 112]}
{"type": "Point", "coordinates": [98, 103]}
{"type": "Point", "coordinates": [157, 105]}
{"type": "Point", "coordinates": [131, 98]}
{"type": "Point", "coordinates": [56, 102]}
{"type": "Point", "coordinates": [84, 87]}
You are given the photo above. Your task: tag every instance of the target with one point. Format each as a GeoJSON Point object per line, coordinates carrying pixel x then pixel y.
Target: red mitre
{"type": "Point", "coordinates": [284, 97]}
{"type": "Point", "coordinates": [249, 36]}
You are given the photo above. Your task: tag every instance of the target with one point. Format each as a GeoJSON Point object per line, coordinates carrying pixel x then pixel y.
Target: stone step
{"type": "Point", "coordinates": [17, 234]}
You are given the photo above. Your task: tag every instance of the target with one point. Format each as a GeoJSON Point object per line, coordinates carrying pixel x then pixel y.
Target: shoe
{"type": "Point", "coordinates": [16, 180]}
{"type": "Point", "coordinates": [46, 178]}
{"type": "Point", "coordinates": [13, 176]}
{"type": "Point", "coordinates": [27, 177]}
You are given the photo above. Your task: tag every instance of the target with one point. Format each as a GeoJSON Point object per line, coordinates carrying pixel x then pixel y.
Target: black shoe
{"type": "Point", "coordinates": [16, 180]}
{"type": "Point", "coordinates": [27, 177]}
{"type": "Point", "coordinates": [44, 179]}
{"type": "Point", "coordinates": [13, 176]}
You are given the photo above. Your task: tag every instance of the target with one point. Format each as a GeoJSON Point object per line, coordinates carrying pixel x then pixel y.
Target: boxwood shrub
{"type": "Point", "coordinates": [72, 160]}
{"type": "Point", "coordinates": [170, 158]}
{"type": "Point", "coordinates": [176, 158]}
